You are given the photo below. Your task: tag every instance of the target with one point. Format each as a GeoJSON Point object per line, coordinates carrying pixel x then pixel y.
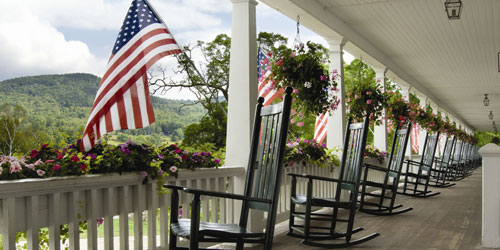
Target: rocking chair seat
{"type": "Point", "coordinates": [318, 201]}
{"type": "Point", "coordinates": [182, 228]}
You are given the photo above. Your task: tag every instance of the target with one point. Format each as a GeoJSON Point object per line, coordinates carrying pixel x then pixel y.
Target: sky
{"type": "Point", "coordinates": [67, 36]}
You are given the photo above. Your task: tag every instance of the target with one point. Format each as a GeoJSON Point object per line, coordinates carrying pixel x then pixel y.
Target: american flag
{"type": "Point", "coordinates": [320, 130]}
{"type": "Point", "coordinates": [266, 88]}
{"type": "Point", "coordinates": [123, 101]}
{"type": "Point", "coordinates": [415, 130]}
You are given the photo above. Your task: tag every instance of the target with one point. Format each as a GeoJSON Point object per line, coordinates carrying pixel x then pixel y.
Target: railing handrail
{"type": "Point", "coordinates": [35, 186]}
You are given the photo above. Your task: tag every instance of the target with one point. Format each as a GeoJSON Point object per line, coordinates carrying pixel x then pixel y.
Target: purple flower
{"type": "Point", "coordinates": [160, 171]}
{"type": "Point", "coordinates": [92, 156]}
{"type": "Point", "coordinates": [100, 221]}
{"type": "Point", "coordinates": [217, 161]}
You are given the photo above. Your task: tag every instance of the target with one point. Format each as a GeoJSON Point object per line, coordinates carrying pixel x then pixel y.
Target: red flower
{"type": "Point", "coordinates": [44, 145]}
{"type": "Point", "coordinates": [49, 161]}
{"type": "Point", "coordinates": [59, 156]}
{"type": "Point", "coordinates": [34, 153]}
{"type": "Point", "coordinates": [56, 167]}
{"type": "Point", "coordinates": [83, 167]}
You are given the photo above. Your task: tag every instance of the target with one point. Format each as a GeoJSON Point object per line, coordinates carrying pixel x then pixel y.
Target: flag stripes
{"type": "Point", "coordinates": [320, 129]}
{"type": "Point", "coordinates": [415, 130]}
{"type": "Point", "coordinates": [123, 100]}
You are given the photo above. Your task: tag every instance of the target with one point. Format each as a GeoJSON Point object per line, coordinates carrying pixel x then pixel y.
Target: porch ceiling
{"type": "Point", "coordinates": [453, 62]}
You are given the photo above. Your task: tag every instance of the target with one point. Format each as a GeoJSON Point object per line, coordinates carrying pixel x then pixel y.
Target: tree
{"type": "Point", "coordinates": [211, 129]}
{"type": "Point", "coordinates": [17, 135]}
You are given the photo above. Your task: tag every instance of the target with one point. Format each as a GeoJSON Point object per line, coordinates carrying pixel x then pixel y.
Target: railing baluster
{"type": "Point", "coordinates": [204, 183]}
{"type": "Point", "coordinates": [230, 202]}
{"type": "Point", "coordinates": [109, 208]}
{"type": "Point", "coordinates": [92, 203]}
{"type": "Point", "coordinates": [54, 224]}
{"type": "Point", "coordinates": [139, 207]}
{"type": "Point", "coordinates": [124, 210]}
{"type": "Point", "coordinates": [152, 205]}
{"type": "Point", "coordinates": [215, 201]}
{"type": "Point", "coordinates": [32, 221]}
{"type": "Point", "coordinates": [74, 220]}
{"type": "Point", "coordinates": [223, 202]}
{"type": "Point", "coordinates": [9, 222]}
{"type": "Point", "coordinates": [164, 218]}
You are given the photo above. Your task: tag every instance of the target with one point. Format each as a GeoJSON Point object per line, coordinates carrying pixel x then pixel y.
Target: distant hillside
{"type": "Point", "coordinates": [60, 104]}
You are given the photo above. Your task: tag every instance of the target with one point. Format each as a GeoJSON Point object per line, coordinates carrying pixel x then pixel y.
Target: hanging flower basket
{"type": "Point", "coordinates": [365, 97]}
{"type": "Point", "coordinates": [304, 69]}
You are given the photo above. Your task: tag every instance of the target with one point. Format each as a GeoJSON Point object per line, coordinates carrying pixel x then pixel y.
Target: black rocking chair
{"type": "Point", "coordinates": [441, 170]}
{"type": "Point", "coordinates": [390, 182]}
{"type": "Point", "coordinates": [348, 181]}
{"type": "Point", "coordinates": [420, 179]}
{"type": "Point", "coordinates": [261, 189]}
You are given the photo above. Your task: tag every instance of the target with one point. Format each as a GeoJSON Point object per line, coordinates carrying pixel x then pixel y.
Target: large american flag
{"type": "Point", "coordinates": [320, 130]}
{"type": "Point", "coordinates": [123, 101]}
{"type": "Point", "coordinates": [266, 89]}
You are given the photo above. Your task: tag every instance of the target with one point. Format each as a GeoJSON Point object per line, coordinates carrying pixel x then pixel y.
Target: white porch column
{"type": "Point", "coordinates": [491, 198]}
{"type": "Point", "coordinates": [242, 82]}
{"type": "Point", "coordinates": [242, 87]}
{"type": "Point", "coordinates": [406, 96]}
{"type": "Point", "coordinates": [380, 132]}
{"type": "Point", "coordinates": [336, 121]}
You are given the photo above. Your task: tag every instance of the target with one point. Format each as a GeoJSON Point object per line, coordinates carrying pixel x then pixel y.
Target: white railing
{"type": "Point", "coordinates": [31, 204]}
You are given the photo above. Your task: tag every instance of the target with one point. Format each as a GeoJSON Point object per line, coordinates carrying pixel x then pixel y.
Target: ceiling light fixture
{"type": "Point", "coordinates": [491, 116]}
{"type": "Point", "coordinates": [486, 101]}
{"type": "Point", "coordinates": [453, 9]}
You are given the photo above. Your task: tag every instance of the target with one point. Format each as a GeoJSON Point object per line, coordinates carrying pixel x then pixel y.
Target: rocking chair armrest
{"type": "Point", "coordinates": [370, 166]}
{"type": "Point", "coordinates": [320, 178]}
{"type": "Point", "coordinates": [225, 195]}
{"type": "Point", "coordinates": [173, 187]}
{"type": "Point", "coordinates": [412, 162]}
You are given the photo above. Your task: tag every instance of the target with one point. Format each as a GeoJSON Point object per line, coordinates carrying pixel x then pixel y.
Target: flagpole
{"type": "Point", "coordinates": [188, 58]}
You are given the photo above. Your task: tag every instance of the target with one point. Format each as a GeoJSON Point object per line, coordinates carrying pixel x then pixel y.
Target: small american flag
{"type": "Point", "coordinates": [123, 101]}
{"type": "Point", "coordinates": [320, 130]}
{"type": "Point", "coordinates": [267, 89]}
{"type": "Point", "coordinates": [415, 130]}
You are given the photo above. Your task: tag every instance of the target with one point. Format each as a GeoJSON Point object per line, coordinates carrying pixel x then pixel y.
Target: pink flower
{"type": "Point", "coordinates": [15, 167]}
{"type": "Point", "coordinates": [292, 121]}
{"type": "Point", "coordinates": [369, 101]}
{"type": "Point", "coordinates": [49, 161]}
{"type": "Point", "coordinates": [100, 221]}
{"type": "Point", "coordinates": [356, 96]}
{"type": "Point", "coordinates": [348, 100]}
{"type": "Point", "coordinates": [178, 151]}
{"type": "Point", "coordinates": [322, 78]}
{"type": "Point", "coordinates": [291, 163]}
{"type": "Point", "coordinates": [40, 172]}
{"type": "Point", "coordinates": [334, 71]}
{"type": "Point", "coordinates": [292, 55]}
{"type": "Point", "coordinates": [293, 112]}
{"type": "Point", "coordinates": [144, 174]}
{"type": "Point", "coordinates": [59, 156]}
{"type": "Point", "coordinates": [300, 124]}
{"type": "Point", "coordinates": [301, 114]}
{"type": "Point", "coordinates": [368, 92]}
{"type": "Point", "coordinates": [173, 169]}
{"type": "Point", "coordinates": [38, 162]}
{"type": "Point", "coordinates": [56, 167]}
{"type": "Point", "coordinates": [279, 63]}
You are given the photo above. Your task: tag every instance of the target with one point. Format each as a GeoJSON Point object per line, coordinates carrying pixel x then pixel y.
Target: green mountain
{"type": "Point", "coordinates": [60, 104]}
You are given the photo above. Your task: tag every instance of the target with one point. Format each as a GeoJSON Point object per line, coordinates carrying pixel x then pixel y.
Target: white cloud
{"type": "Point", "coordinates": [30, 46]}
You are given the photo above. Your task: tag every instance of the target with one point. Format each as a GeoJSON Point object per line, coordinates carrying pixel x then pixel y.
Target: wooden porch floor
{"type": "Point", "coordinates": [451, 220]}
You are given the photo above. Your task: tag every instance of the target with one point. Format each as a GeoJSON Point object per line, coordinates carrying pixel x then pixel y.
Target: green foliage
{"type": "Point", "coordinates": [57, 107]}
{"type": "Point", "coordinates": [484, 138]}
{"type": "Point", "coordinates": [304, 69]}
{"type": "Point", "coordinates": [303, 151]}
{"type": "Point", "coordinates": [363, 93]}
{"type": "Point", "coordinates": [210, 129]}
{"type": "Point", "coordinates": [17, 134]}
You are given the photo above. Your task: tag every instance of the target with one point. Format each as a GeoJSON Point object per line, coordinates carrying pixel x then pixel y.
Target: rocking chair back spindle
{"type": "Point", "coordinates": [441, 170]}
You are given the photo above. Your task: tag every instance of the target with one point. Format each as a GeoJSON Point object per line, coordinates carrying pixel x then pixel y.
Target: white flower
{"type": "Point", "coordinates": [40, 172]}
{"type": "Point", "coordinates": [308, 85]}
{"type": "Point", "coordinates": [173, 169]}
